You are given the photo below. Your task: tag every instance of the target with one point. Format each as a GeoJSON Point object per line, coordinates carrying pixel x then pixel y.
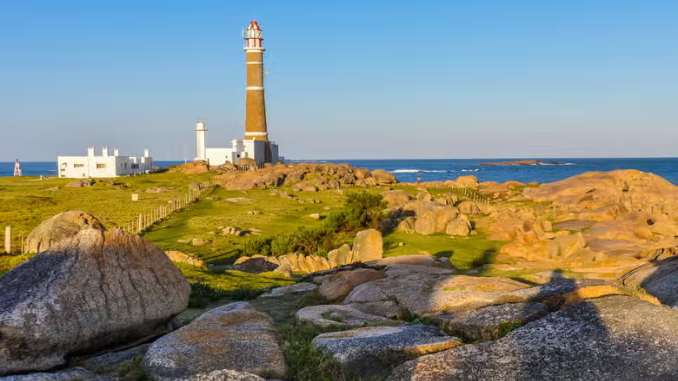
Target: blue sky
{"type": "Point", "coordinates": [347, 79]}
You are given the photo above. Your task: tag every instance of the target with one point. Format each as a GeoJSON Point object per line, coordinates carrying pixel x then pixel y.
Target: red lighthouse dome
{"type": "Point", "coordinates": [252, 36]}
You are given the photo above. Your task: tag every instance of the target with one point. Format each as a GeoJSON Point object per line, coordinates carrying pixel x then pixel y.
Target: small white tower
{"type": "Point", "coordinates": [200, 130]}
{"type": "Point", "coordinates": [17, 168]}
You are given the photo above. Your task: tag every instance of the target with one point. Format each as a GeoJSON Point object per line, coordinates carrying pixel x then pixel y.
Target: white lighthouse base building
{"type": "Point", "coordinates": [241, 149]}
{"type": "Point", "coordinates": [103, 166]}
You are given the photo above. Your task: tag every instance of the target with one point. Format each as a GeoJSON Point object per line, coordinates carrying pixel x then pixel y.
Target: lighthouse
{"type": "Point", "coordinates": [200, 141]}
{"type": "Point", "coordinates": [256, 148]}
{"type": "Point", "coordinates": [255, 104]}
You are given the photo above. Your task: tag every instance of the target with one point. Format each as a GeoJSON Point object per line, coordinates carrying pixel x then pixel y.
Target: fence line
{"type": "Point", "coordinates": [145, 220]}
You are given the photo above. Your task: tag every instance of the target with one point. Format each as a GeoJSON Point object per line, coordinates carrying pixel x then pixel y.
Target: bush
{"type": "Point", "coordinates": [256, 246]}
{"type": "Point", "coordinates": [306, 241]}
{"type": "Point", "coordinates": [361, 211]}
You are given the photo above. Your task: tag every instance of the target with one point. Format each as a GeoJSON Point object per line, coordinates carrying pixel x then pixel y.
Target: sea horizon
{"type": "Point", "coordinates": [407, 170]}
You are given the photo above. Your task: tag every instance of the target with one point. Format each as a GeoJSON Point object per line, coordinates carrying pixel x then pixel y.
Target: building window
{"type": "Point", "coordinates": [78, 165]}
{"type": "Point", "coordinates": [135, 166]}
{"type": "Point", "coordinates": [101, 166]}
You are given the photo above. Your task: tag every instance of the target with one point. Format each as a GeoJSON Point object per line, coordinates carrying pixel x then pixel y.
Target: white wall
{"type": "Point", "coordinates": [218, 156]}
{"type": "Point", "coordinates": [102, 166]}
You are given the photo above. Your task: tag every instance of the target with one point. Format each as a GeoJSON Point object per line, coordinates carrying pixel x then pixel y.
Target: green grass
{"type": "Point", "coordinates": [306, 362]}
{"type": "Point", "coordinates": [465, 253]}
{"type": "Point", "coordinates": [200, 220]}
{"type": "Point", "coordinates": [233, 280]}
{"type": "Point", "coordinates": [25, 202]}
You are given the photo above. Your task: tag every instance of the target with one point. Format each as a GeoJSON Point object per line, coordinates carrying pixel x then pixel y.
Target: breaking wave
{"type": "Point", "coordinates": [432, 170]}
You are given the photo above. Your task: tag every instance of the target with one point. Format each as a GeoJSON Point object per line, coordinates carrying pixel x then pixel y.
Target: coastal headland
{"type": "Point", "coordinates": [303, 271]}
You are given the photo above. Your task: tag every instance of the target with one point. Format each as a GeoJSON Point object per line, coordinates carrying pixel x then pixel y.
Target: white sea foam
{"type": "Point", "coordinates": [421, 171]}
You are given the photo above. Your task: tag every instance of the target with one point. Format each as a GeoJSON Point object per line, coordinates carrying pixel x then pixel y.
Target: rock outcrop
{"type": "Point", "coordinates": [234, 340]}
{"type": "Point", "coordinates": [61, 227]}
{"type": "Point", "coordinates": [339, 316]}
{"type": "Point", "coordinates": [659, 279]}
{"type": "Point", "coordinates": [616, 338]}
{"type": "Point", "coordinates": [97, 289]}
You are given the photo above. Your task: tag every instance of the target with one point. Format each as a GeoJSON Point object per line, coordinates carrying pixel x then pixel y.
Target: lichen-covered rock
{"type": "Point", "coordinates": [433, 218]}
{"type": "Point", "coordinates": [374, 351]}
{"type": "Point", "coordinates": [337, 315]}
{"type": "Point", "coordinates": [95, 290]}
{"type": "Point", "coordinates": [459, 227]}
{"type": "Point", "coordinates": [61, 227]}
{"type": "Point", "coordinates": [396, 199]}
{"type": "Point", "coordinates": [179, 257]}
{"type": "Point", "coordinates": [614, 338]}
{"type": "Point", "coordinates": [367, 246]}
{"type": "Point", "coordinates": [341, 256]}
{"type": "Point", "coordinates": [383, 178]}
{"type": "Point", "coordinates": [341, 284]}
{"type": "Point", "coordinates": [235, 339]}
{"type": "Point", "coordinates": [424, 294]}
{"type": "Point", "coordinates": [489, 323]}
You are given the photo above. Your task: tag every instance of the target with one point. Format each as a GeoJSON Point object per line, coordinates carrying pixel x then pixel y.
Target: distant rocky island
{"type": "Point", "coordinates": [525, 162]}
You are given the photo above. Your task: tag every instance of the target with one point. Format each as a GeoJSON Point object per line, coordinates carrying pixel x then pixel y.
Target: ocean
{"type": "Point", "coordinates": [441, 170]}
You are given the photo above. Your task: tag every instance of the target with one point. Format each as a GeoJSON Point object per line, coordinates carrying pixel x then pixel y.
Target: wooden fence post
{"type": "Point", "coordinates": [8, 240]}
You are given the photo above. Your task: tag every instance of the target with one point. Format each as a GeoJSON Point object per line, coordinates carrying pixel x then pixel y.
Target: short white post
{"type": "Point", "coordinates": [140, 222]}
{"type": "Point", "coordinates": [8, 240]}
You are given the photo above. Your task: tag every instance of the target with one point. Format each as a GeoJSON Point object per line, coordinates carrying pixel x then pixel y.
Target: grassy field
{"type": "Point", "coordinates": [26, 202]}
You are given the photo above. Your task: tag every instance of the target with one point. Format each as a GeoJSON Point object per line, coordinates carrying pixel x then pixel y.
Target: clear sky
{"type": "Point", "coordinates": [347, 79]}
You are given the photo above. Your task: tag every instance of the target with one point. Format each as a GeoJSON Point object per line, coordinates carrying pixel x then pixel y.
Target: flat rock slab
{"type": "Point", "coordinates": [337, 315]}
{"type": "Point", "coordinates": [113, 359]}
{"type": "Point", "coordinates": [235, 337]}
{"type": "Point", "coordinates": [491, 322]}
{"type": "Point", "coordinates": [374, 351]}
{"type": "Point", "coordinates": [613, 338]}
{"type": "Point", "coordinates": [75, 374]}
{"type": "Point", "coordinates": [303, 287]}
{"type": "Point", "coordinates": [424, 294]}
{"type": "Point", "coordinates": [416, 259]}
{"type": "Point", "coordinates": [568, 291]}
{"type": "Point", "coordinates": [399, 270]}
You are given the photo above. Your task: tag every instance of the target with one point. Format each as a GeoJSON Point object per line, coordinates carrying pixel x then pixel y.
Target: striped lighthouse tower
{"type": "Point", "coordinates": [255, 107]}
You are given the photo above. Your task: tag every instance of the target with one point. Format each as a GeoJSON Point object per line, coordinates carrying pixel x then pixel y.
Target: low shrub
{"type": "Point", "coordinates": [361, 211]}
{"type": "Point", "coordinates": [307, 362]}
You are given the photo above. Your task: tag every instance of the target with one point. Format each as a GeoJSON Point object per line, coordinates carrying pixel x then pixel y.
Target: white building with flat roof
{"type": "Point", "coordinates": [240, 149]}
{"type": "Point", "coordinates": [104, 165]}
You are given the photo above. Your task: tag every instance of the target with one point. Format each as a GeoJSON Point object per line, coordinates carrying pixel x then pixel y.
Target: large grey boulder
{"type": "Point", "coordinates": [61, 227]}
{"type": "Point", "coordinates": [93, 291]}
{"type": "Point", "coordinates": [614, 338]}
{"type": "Point", "coordinates": [659, 279]}
{"type": "Point", "coordinates": [491, 322]}
{"type": "Point", "coordinates": [235, 337]}
{"type": "Point", "coordinates": [374, 351]}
